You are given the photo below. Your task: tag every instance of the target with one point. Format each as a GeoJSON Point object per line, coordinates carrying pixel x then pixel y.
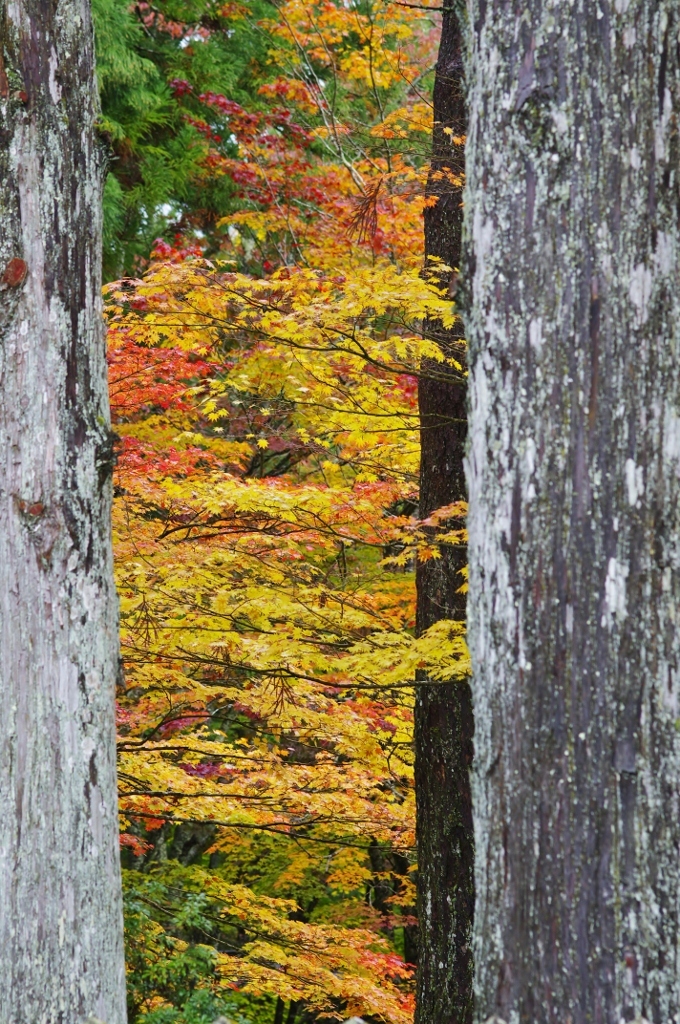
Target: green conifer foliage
{"type": "Point", "coordinates": [159, 183]}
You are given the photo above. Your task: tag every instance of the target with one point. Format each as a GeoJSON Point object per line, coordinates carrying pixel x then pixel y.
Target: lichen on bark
{"type": "Point", "coordinates": [61, 952]}
{"type": "Point", "coordinates": [572, 209]}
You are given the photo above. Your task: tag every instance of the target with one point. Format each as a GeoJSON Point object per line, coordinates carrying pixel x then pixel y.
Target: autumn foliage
{"type": "Point", "coordinates": [264, 391]}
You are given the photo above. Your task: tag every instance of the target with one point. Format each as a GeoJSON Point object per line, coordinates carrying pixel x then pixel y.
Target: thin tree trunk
{"type": "Point", "coordinates": [61, 954]}
{"type": "Point", "coordinates": [572, 213]}
{"type": "Point", "coordinates": [278, 1012]}
{"type": "Point", "coordinates": [443, 713]}
{"type": "Point", "coordinates": [292, 1011]}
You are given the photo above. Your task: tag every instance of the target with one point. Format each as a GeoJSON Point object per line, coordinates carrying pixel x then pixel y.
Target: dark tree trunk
{"type": "Point", "coordinates": [61, 935]}
{"type": "Point", "coordinates": [443, 712]}
{"type": "Point", "coordinates": [278, 1012]}
{"type": "Point", "coordinates": [573, 208]}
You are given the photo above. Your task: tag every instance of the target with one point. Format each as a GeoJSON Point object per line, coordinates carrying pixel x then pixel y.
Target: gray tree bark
{"type": "Point", "coordinates": [572, 220]}
{"type": "Point", "coordinates": [61, 952]}
{"type": "Point", "coordinates": [443, 724]}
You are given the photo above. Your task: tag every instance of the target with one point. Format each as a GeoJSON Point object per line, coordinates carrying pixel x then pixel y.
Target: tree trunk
{"type": "Point", "coordinates": [443, 713]}
{"type": "Point", "coordinates": [61, 953]}
{"type": "Point", "coordinates": [572, 212]}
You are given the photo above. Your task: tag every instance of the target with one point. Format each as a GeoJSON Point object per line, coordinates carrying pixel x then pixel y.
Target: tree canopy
{"type": "Point", "coordinates": [328, 808]}
{"type": "Point", "coordinates": [265, 205]}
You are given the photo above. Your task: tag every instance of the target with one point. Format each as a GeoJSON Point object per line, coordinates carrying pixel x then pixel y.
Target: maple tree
{"type": "Point", "coordinates": [266, 535]}
{"type": "Point", "coordinates": [214, 109]}
{"type": "Point", "coordinates": [265, 362]}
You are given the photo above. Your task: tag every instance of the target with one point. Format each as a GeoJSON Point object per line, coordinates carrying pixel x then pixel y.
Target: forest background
{"type": "Point", "coordinates": [265, 304]}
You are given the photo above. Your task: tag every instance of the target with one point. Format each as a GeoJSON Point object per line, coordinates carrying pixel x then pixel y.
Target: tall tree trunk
{"type": "Point", "coordinates": [443, 713]}
{"type": "Point", "coordinates": [61, 954]}
{"type": "Point", "coordinates": [572, 211]}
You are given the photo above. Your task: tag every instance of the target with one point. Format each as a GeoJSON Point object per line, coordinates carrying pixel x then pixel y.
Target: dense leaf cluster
{"type": "Point", "coordinates": [264, 366]}
{"type": "Point", "coordinates": [160, 179]}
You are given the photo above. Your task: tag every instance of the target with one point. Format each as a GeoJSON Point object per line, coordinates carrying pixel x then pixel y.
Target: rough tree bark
{"type": "Point", "coordinates": [572, 216]}
{"type": "Point", "coordinates": [443, 713]}
{"type": "Point", "coordinates": [61, 956]}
